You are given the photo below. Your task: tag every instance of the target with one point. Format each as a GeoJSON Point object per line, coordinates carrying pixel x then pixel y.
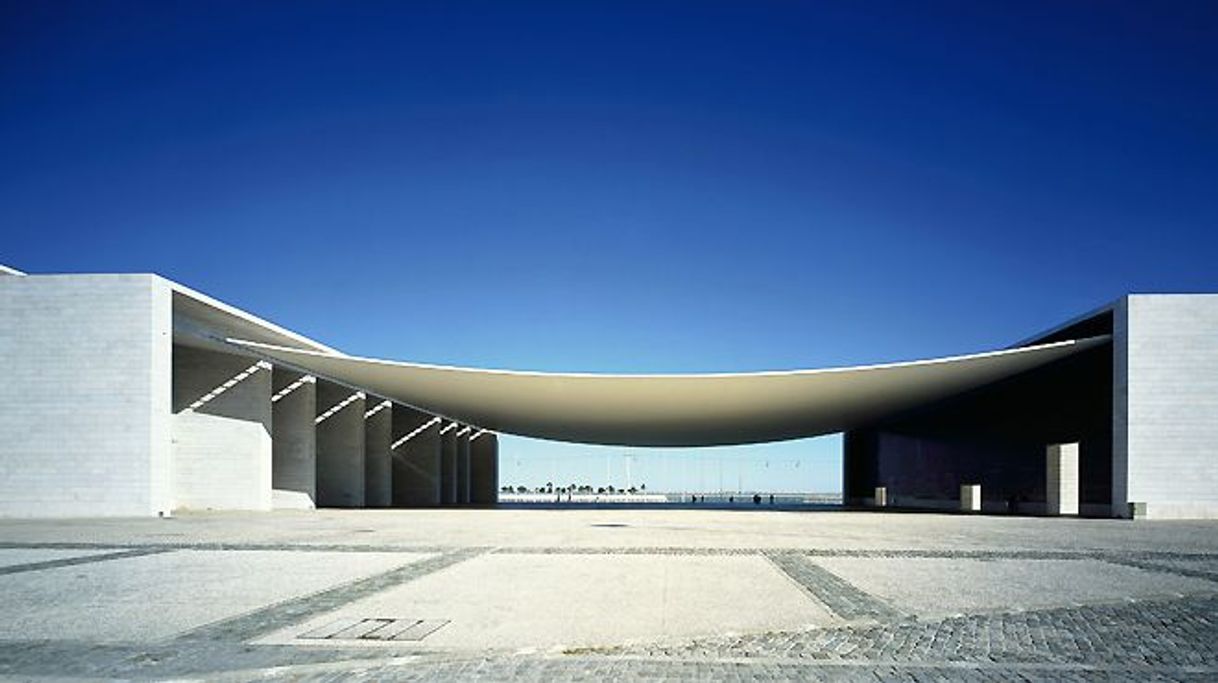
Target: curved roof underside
{"type": "Point", "coordinates": [672, 410]}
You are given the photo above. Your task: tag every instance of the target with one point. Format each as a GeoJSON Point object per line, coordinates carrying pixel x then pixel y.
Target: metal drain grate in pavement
{"type": "Point", "coordinates": [376, 629]}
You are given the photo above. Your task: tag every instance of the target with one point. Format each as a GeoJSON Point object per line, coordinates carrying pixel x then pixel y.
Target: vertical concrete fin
{"type": "Point", "coordinates": [378, 439]}
{"type": "Point", "coordinates": [484, 469]}
{"type": "Point", "coordinates": [415, 451]}
{"type": "Point", "coordinates": [222, 435]}
{"type": "Point", "coordinates": [340, 446]}
{"type": "Point", "coordinates": [294, 439]}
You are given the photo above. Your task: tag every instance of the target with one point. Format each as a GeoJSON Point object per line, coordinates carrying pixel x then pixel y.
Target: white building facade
{"type": "Point", "coordinates": [120, 397]}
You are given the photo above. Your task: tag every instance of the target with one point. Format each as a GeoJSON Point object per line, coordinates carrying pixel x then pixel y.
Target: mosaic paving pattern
{"type": "Point", "coordinates": [1153, 639]}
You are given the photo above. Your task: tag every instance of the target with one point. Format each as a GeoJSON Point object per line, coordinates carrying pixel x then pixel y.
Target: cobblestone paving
{"type": "Point", "coordinates": [838, 595]}
{"type": "Point", "coordinates": [86, 559]}
{"type": "Point", "coordinates": [1159, 639]}
{"type": "Point", "coordinates": [1193, 567]}
{"type": "Point", "coordinates": [603, 669]}
{"type": "Point", "coordinates": [162, 546]}
{"type": "Point", "coordinates": [1177, 634]}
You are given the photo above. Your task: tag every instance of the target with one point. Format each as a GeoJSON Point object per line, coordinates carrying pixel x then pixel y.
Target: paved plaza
{"type": "Point", "coordinates": [603, 593]}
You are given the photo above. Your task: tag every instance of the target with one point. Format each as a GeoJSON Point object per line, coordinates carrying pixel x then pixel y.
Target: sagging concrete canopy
{"type": "Point", "coordinates": [674, 410]}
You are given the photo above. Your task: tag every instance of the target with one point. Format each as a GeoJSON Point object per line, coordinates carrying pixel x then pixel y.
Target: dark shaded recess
{"type": "Point", "coordinates": [996, 435]}
{"type": "Point", "coordinates": [1095, 326]}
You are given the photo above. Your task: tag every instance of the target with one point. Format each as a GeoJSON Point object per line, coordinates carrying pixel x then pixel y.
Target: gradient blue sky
{"type": "Point", "coordinates": [623, 187]}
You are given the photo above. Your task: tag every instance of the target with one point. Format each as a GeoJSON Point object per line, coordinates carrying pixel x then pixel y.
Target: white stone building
{"type": "Point", "coordinates": [119, 396]}
{"type": "Point", "coordinates": [135, 395]}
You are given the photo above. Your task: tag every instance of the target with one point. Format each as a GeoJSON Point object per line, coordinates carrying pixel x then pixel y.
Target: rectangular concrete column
{"type": "Point", "coordinates": [221, 430]}
{"type": "Point", "coordinates": [448, 462]}
{"type": "Point", "coordinates": [881, 496]}
{"type": "Point", "coordinates": [1061, 479]}
{"type": "Point", "coordinates": [294, 440]}
{"type": "Point", "coordinates": [463, 485]}
{"type": "Point", "coordinates": [378, 472]}
{"type": "Point", "coordinates": [484, 469]}
{"type": "Point", "coordinates": [970, 497]}
{"type": "Point", "coordinates": [340, 446]}
{"type": "Point", "coordinates": [416, 458]}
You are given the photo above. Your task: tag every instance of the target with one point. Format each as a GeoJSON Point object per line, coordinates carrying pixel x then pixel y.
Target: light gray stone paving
{"type": "Point", "coordinates": [152, 596]}
{"type": "Point", "coordinates": [815, 531]}
{"type": "Point", "coordinates": [259, 622]}
{"type": "Point", "coordinates": [942, 587]}
{"type": "Point", "coordinates": [515, 601]}
{"type": "Point", "coordinates": [1090, 635]}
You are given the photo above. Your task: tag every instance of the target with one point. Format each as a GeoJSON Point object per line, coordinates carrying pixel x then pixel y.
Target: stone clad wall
{"type": "Point", "coordinates": [103, 414]}
{"type": "Point", "coordinates": [84, 401]}
{"type": "Point", "coordinates": [1170, 389]}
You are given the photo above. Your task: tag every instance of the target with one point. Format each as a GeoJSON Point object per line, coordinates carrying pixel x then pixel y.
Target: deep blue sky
{"type": "Point", "coordinates": [622, 187]}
